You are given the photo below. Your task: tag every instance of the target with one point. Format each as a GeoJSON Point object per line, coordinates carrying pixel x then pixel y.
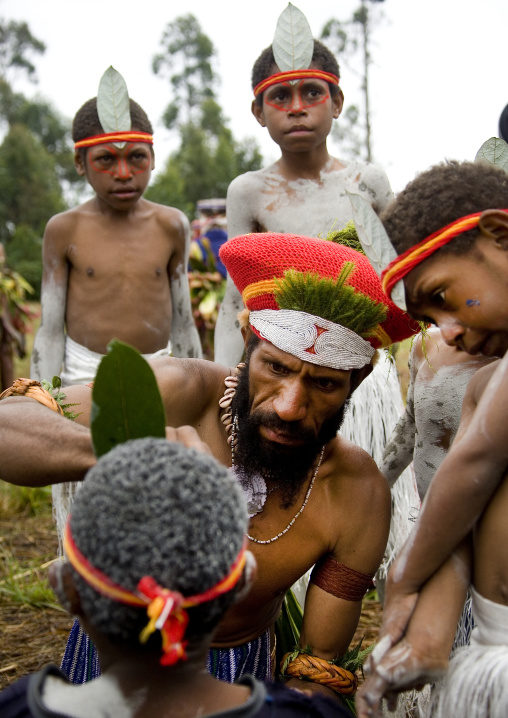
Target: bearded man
{"type": "Point", "coordinates": [315, 314]}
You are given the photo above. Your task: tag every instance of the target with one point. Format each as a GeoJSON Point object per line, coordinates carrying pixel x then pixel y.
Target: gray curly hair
{"type": "Point", "coordinates": [151, 507]}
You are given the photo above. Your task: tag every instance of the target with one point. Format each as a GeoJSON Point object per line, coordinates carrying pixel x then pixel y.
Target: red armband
{"type": "Point", "coordinates": [339, 580]}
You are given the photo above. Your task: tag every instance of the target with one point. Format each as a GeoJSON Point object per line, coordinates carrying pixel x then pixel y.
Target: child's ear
{"type": "Point", "coordinates": [494, 224]}
{"type": "Point", "coordinates": [79, 164]}
{"type": "Point", "coordinates": [257, 111]}
{"type": "Point", "coordinates": [60, 580]}
{"type": "Point", "coordinates": [337, 103]}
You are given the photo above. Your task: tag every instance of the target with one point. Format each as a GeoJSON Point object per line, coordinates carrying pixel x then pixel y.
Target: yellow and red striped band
{"type": "Point", "coordinates": [406, 262]}
{"type": "Point", "coordinates": [295, 75]}
{"type": "Point", "coordinates": [109, 588]}
{"type": "Point", "coordinates": [107, 137]}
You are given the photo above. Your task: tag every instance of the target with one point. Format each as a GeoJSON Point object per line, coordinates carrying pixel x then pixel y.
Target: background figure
{"type": "Point", "coordinates": [438, 379]}
{"type": "Point", "coordinates": [14, 319]}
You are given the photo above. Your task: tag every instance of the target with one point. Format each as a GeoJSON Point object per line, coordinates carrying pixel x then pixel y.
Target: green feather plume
{"type": "Point", "coordinates": [332, 299]}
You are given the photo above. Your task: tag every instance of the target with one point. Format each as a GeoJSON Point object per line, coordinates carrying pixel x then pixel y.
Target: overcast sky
{"type": "Point", "coordinates": [438, 80]}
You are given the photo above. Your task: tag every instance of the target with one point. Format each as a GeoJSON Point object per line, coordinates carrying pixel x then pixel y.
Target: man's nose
{"type": "Point", "coordinates": [291, 402]}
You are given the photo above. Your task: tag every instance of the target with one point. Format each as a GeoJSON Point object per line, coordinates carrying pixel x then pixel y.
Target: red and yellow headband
{"type": "Point", "coordinates": [294, 75]}
{"type": "Point", "coordinates": [406, 262]}
{"type": "Point", "coordinates": [129, 136]}
{"type": "Point", "coordinates": [165, 608]}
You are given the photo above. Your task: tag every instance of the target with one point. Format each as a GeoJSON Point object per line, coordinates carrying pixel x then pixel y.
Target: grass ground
{"type": "Point", "coordinates": [33, 629]}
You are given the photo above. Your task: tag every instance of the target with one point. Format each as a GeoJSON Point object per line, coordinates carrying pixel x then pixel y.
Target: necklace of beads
{"type": "Point", "coordinates": [231, 427]}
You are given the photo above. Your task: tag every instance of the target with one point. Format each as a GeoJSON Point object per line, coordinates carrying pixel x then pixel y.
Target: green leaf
{"type": "Point", "coordinates": [126, 403]}
{"type": "Point", "coordinates": [113, 105]}
{"type": "Point", "coordinates": [494, 151]}
{"type": "Point", "coordinates": [293, 44]}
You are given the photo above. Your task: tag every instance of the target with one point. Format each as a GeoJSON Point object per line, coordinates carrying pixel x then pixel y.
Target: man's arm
{"type": "Point", "coordinates": [421, 656]}
{"type": "Point", "coordinates": [333, 606]}
{"type": "Point", "coordinates": [49, 344]}
{"type": "Point", "coordinates": [398, 452]}
{"type": "Point", "coordinates": [228, 339]}
{"type": "Point", "coordinates": [185, 340]}
{"type": "Point", "coordinates": [40, 447]}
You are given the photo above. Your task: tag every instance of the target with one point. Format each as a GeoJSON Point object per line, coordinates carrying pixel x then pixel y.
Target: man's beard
{"type": "Point", "coordinates": [286, 466]}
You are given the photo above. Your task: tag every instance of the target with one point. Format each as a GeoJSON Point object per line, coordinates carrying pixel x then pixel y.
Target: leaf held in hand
{"type": "Point", "coordinates": [126, 402]}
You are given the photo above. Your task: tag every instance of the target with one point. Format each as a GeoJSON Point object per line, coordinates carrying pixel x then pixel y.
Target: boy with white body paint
{"type": "Point", "coordinates": [450, 227]}
{"type": "Point", "coordinates": [438, 379]}
{"type": "Point", "coordinates": [114, 267]}
{"type": "Point", "coordinates": [305, 193]}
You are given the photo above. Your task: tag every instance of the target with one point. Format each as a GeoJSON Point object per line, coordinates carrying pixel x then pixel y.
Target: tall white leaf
{"type": "Point", "coordinates": [375, 242]}
{"type": "Point", "coordinates": [293, 43]}
{"type": "Point", "coordinates": [495, 151]}
{"type": "Point", "coordinates": [113, 105]}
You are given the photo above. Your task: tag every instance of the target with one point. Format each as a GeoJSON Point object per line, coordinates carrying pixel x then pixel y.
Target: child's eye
{"type": "Point", "coordinates": [438, 298]}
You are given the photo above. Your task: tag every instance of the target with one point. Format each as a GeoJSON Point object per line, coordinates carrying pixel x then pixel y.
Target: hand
{"type": "Point", "coordinates": [189, 437]}
{"type": "Point", "coordinates": [397, 613]}
{"type": "Point", "coordinates": [404, 667]}
{"type": "Point", "coordinates": [309, 689]}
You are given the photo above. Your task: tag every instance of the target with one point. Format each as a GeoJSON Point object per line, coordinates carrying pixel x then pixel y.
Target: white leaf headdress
{"type": "Point", "coordinates": [293, 44]}
{"type": "Point", "coordinates": [494, 151]}
{"type": "Point", "coordinates": [375, 242]}
{"type": "Point", "coordinates": [113, 105]}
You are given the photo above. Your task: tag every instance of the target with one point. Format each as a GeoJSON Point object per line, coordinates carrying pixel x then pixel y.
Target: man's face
{"type": "Point", "coordinates": [119, 176]}
{"type": "Point", "coordinates": [298, 116]}
{"type": "Point", "coordinates": [466, 296]}
{"type": "Point", "coordinates": [287, 410]}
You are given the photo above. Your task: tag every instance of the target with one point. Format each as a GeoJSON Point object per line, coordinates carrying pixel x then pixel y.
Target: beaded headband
{"type": "Point", "coordinates": [165, 608]}
{"type": "Point", "coordinates": [406, 262]}
{"type": "Point", "coordinates": [108, 137]}
{"type": "Point", "coordinates": [295, 75]}
{"type": "Point", "coordinates": [312, 339]}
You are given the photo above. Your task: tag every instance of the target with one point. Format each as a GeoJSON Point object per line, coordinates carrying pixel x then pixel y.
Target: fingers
{"type": "Point", "coordinates": [189, 437]}
{"type": "Point", "coordinates": [368, 699]}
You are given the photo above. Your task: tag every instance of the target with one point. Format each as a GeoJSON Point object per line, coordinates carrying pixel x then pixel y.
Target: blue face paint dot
{"type": "Point", "coordinates": [473, 302]}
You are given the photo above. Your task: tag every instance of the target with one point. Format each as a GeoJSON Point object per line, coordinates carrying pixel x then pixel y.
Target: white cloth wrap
{"type": "Point", "coordinates": [81, 364]}
{"type": "Point", "coordinates": [476, 684]}
{"type": "Point", "coordinates": [296, 332]}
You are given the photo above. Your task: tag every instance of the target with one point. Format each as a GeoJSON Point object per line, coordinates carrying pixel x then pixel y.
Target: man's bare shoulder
{"type": "Point", "coordinates": [192, 380]}
{"type": "Point", "coordinates": [170, 217]}
{"type": "Point", "coordinates": [352, 469]}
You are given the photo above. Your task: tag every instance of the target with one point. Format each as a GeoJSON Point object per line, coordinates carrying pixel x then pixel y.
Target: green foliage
{"type": "Point", "coordinates": [350, 41]}
{"type": "Point", "coordinates": [332, 299]}
{"type": "Point", "coordinates": [126, 402]}
{"type": "Point", "coordinates": [55, 389]}
{"type": "Point", "coordinates": [29, 195]}
{"type": "Point", "coordinates": [208, 157]}
{"type": "Point", "coordinates": [30, 501]}
{"type": "Point", "coordinates": [16, 44]}
{"type": "Point", "coordinates": [347, 236]}
{"type": "Point", "coordinates": [186, 60]}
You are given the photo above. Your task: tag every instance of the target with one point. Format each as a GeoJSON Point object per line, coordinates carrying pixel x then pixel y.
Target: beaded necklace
{"type": "Point", "coordinates": [231, 427]}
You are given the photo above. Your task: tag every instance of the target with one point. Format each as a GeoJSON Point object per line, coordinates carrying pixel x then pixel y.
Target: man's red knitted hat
{"type": "Point", "coordinates": [254, 261]}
